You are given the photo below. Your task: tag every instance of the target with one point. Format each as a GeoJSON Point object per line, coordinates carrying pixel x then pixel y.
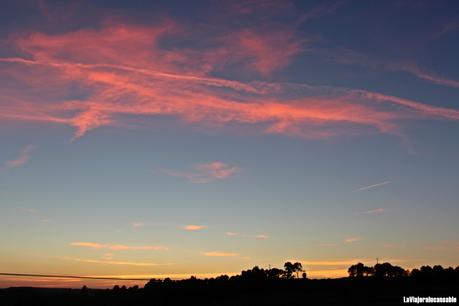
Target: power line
{"type": "Point", "coordinates": [73, 276]}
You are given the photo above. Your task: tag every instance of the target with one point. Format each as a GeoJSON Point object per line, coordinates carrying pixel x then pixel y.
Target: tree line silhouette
{"type": "Point", "coordinates": [387, 270]}
{"type": "Point", "coordinates": [381, 284]}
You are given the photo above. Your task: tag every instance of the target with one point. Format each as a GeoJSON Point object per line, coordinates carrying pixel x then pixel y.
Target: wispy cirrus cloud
{"type": "Point", "coordinates": [257, 236]}
{"type": "Point", "coordinates": [261, 237]}
{"type": "Point", "coordinates": [192, 227]}
{"type": "Point", "coordinates": [249, 7]}
{"type": "Point", "coordinates": [206, 173]}
{"type": "Point", "coordinates": [22, 158]}
{"type": "Point", "coordinates": [425, 74]}
{"type": "Point", "coordinates": [352, 239]}
{"type": "Point", "coordinates": [450, 27]}
{"type": "Point", "coordinates": [138, 224]}
{"type": "Point", "coordinates": [118, 247]}
{"type": "Point", "coordinates": [328, 245]}
{"type": "Point", "coordinates": [373, 211]}
{"type": "Point", "coordinates": [319, 11]}
{"type": "Point", "coordinates": [221, 254]}
{"type": "Point", "coordinates": [123, 71]}
{"type": "Point", "coordinates": [108, 256]}
{"type": "Point", "coordinates": [28, 210]}
{"type": "Point", "coordinates": [443, 246]}
{"type": "Point", "coordinates": [351, 57]}
{"type": "Point", "coordinates": [114, 262]}
{"type": "Point", "coordinates": [372, 186]}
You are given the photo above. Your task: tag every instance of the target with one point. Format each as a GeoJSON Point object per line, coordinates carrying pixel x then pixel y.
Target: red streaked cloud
{"type": "Point", "coordinates": [119, 247]}
{"type": "Point", "coordinates": [22, 158]}
{"type": "Point", "coordinates": [206, 173]}
{"type": "Point", "coordinates": [261, 49]}
{"type": "Point", "coordinates": [122, 71]}
{"type": "Point", "coordinates": [428, 76]}
{"type": "Point", "coordinates": [192, 227]}
{"type": "Point", "coordinates": [220, 254]}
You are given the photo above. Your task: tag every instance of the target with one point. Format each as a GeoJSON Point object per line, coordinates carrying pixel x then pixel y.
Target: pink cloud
{"type": "Point", "coordinates": [261, 237]}
{"type": "Point", "coordinates": [220, 254]}
{"type": "Point", "coordinates": [119, 247]}
{"type": "Point", "coordinates": [124, 72]}
{"type": "Point", "coordinates": [352, 239]}
{"type": "Point", "coordinates": [138, 224]}
{"type": "Point", "coordinates": [206, 173]}
{"type": "Point", "coordinates": [261, 49]}
{"type": "Point", "coordinates": [258, 236]}
{"type": "Point", "coordinates": [22, 158]}
{"type": "Point", "coordinates": [113, 262]}
{"type": "Point", "coordinates": [373, 211]}
{"type": "Point", "coordinates": [192, 227]}
{"type": "Point", "coordinates": [426, 75]}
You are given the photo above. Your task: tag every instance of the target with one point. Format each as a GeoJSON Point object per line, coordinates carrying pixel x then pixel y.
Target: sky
{"type": "Point", "coordinates": [174, 138]}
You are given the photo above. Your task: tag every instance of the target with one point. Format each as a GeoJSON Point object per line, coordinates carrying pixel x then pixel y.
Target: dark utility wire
{"type": "Point", "coordinates": [73, 276]}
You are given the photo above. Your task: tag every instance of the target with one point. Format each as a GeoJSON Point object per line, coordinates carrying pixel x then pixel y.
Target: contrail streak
{"type": "Point", "coordinates": [372, 186]}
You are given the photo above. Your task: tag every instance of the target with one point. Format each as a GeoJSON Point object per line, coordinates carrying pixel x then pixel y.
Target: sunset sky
{"type": "Point", "coordinates": [175, 138]}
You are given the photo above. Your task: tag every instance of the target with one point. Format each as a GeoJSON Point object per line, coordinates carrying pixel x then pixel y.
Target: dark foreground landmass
{"type": "Point", "coordinates": [256, 287]}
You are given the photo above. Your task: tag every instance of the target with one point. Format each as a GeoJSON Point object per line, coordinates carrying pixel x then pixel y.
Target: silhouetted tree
{"type": "Point", "coordinates": [291, 268]}
{"type": "Point", "coordinates": [368, 271]}
{"type": "Point", "coordinates": [356, 270]}
{"type": "Point", "coordinates": [360, 270]}
{"type": "Point", "coordinates": [437, 271]}
{"type": "Point", "coordinates": [388, 270]}
{"type": "Point", "coordinates": [426, 271]}
{"type": "Point", "coordinates": [255, 274]}
{"type": "Point", "coordinates": [275, 273]}
{"type": "Point", "coordinates": [256, 286]}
